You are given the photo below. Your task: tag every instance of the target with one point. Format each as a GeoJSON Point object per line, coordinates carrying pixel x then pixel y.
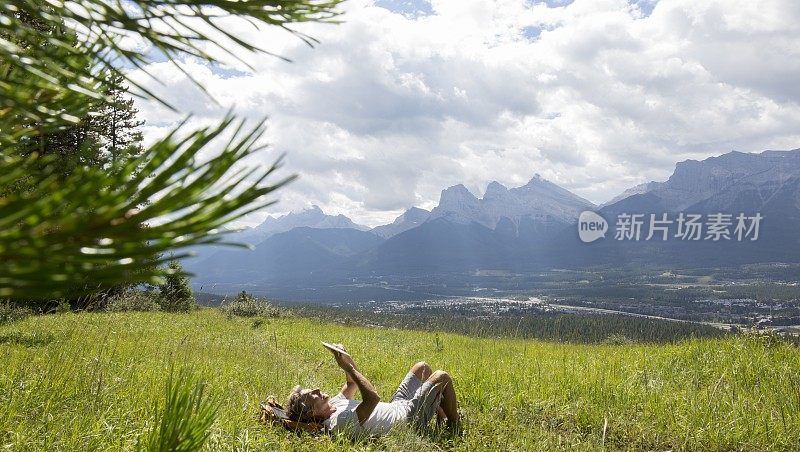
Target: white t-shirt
{"type": "Point", "coordinates": [379, 422]}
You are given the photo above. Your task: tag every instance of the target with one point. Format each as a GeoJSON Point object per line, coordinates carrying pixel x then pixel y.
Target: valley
{"type": "Point", "coordinates": [522, 243]}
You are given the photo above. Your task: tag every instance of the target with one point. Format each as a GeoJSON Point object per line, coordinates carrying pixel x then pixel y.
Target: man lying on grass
{"type": "Point", "coordinates": [421, 394]}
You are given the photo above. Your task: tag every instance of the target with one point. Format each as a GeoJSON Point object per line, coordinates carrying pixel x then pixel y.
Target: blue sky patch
{"type": "Point", "coordinates": [646, 6]}
{"type": "Point", "coordinates": [533, 32]}
{"type": "Point", "coordinates": [558, 3]}
{"type": "Point", "coordinates": [226, 72]}
{"type": "Point", "coordinates": [408, 8]}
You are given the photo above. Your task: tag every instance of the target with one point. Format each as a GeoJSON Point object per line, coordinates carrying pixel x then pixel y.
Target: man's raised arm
{"type": "Point", "coordinates": [369, 397]}
{"type": "Point", "coordinates": [349, 388]}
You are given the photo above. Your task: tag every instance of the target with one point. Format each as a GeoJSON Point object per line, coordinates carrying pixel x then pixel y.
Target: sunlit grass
{"type": "Point", "coordinates": [91, 381]}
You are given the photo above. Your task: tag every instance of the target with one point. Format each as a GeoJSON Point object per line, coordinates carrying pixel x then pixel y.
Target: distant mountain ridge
{"type": "Point", "coordinates": [694, 181]}
{"type": "Point", "coordinates": [635, 190]}
{"type": "Point", "coordinates": [312, 217]}
{"type": "Point", "coordinates": [411, 218]}
{"type": "Point", "coordinates": [538, 200]}
{"type": "Point", "coordinates": [766, 183]}
{"type": "Point", "coordinates": [208, 257]}
{"type": "Point", "coordinates": [523, 229]}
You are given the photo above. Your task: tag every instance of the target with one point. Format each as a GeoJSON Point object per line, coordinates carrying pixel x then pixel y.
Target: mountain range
{"type": "Point", "coordinates": [519, 229]}
{"type": "Point", "coordinates": [410, 219]}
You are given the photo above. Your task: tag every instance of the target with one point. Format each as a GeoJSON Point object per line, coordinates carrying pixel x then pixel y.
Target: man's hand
{"type": "Point", "coordinates": [345, 362]}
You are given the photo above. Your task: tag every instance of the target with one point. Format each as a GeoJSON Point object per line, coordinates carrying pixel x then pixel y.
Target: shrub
{"type": "Point", "coordinates": [176, 293]}
{"type": "Point", "coordinates": [133, 300]}
{"type": "Point", "coordinates": [63, 307]}
{"type": "Point", "coordinates": [769, 338]}
{"type": "Point", "coordinates": [246, 305]}
{"type": "Point", "coordinates": [11, 313]}
{"type": "Point", "coordinates": [617, 339]}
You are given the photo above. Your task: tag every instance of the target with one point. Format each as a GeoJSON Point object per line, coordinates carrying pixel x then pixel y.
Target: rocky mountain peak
{"type": "Point", "coordinates": [313, 217]}
{"type": "Point", "coordinates": [415, 214]}
{"type": "Point", "coordinates": [411, 218]}
{"type": "Point", "coordinates": [457, 204]}
{"type": "Point", "coordinates": [495, 190]}
{"type": "Point", "coordinates": [539, 199]}
{"type": "Point", "coordinates": [456, 192]}
{"type": "Point", "coordinates": [694, 181]}
{"type": "Point", "coordinates": [535, 180]}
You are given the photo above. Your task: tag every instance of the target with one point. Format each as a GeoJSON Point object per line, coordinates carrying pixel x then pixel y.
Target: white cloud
{"type": "Point", "coordinates": [392, 107]}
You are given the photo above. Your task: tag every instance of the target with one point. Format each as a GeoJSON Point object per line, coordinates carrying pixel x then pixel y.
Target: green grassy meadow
{"type": "Point", "coordinates": [90, 381]}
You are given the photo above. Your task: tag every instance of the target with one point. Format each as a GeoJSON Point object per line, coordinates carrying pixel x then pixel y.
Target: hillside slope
{"type": "Point", "coordinates": [89, 381]}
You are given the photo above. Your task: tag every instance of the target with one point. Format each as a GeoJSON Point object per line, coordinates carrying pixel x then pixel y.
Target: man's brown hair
{"type": "Point", "coordinates": [296, 408]}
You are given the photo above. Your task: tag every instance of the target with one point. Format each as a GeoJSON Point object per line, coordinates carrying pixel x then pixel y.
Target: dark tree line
{"type": "Point", "coordinates": [573, 328]}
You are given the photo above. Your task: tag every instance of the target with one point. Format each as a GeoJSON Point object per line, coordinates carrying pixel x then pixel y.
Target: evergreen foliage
{"type": "Point", "coordinates": [176, 293]}
{"type": "Point", "coordinates": [82, 207]}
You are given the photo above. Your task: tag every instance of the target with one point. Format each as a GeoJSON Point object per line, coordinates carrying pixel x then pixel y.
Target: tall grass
{"type": "Point", "coordinates": [183, 422]}
{"type": "Point", "coordinates": [92, 385]}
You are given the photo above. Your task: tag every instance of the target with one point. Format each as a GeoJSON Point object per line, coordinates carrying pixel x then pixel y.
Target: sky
{"type": "Point", "coordinates": [404, 98]}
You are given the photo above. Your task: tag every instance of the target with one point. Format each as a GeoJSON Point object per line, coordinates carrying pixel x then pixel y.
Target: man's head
{"type": "Point", "coordinates": [308, 405]}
